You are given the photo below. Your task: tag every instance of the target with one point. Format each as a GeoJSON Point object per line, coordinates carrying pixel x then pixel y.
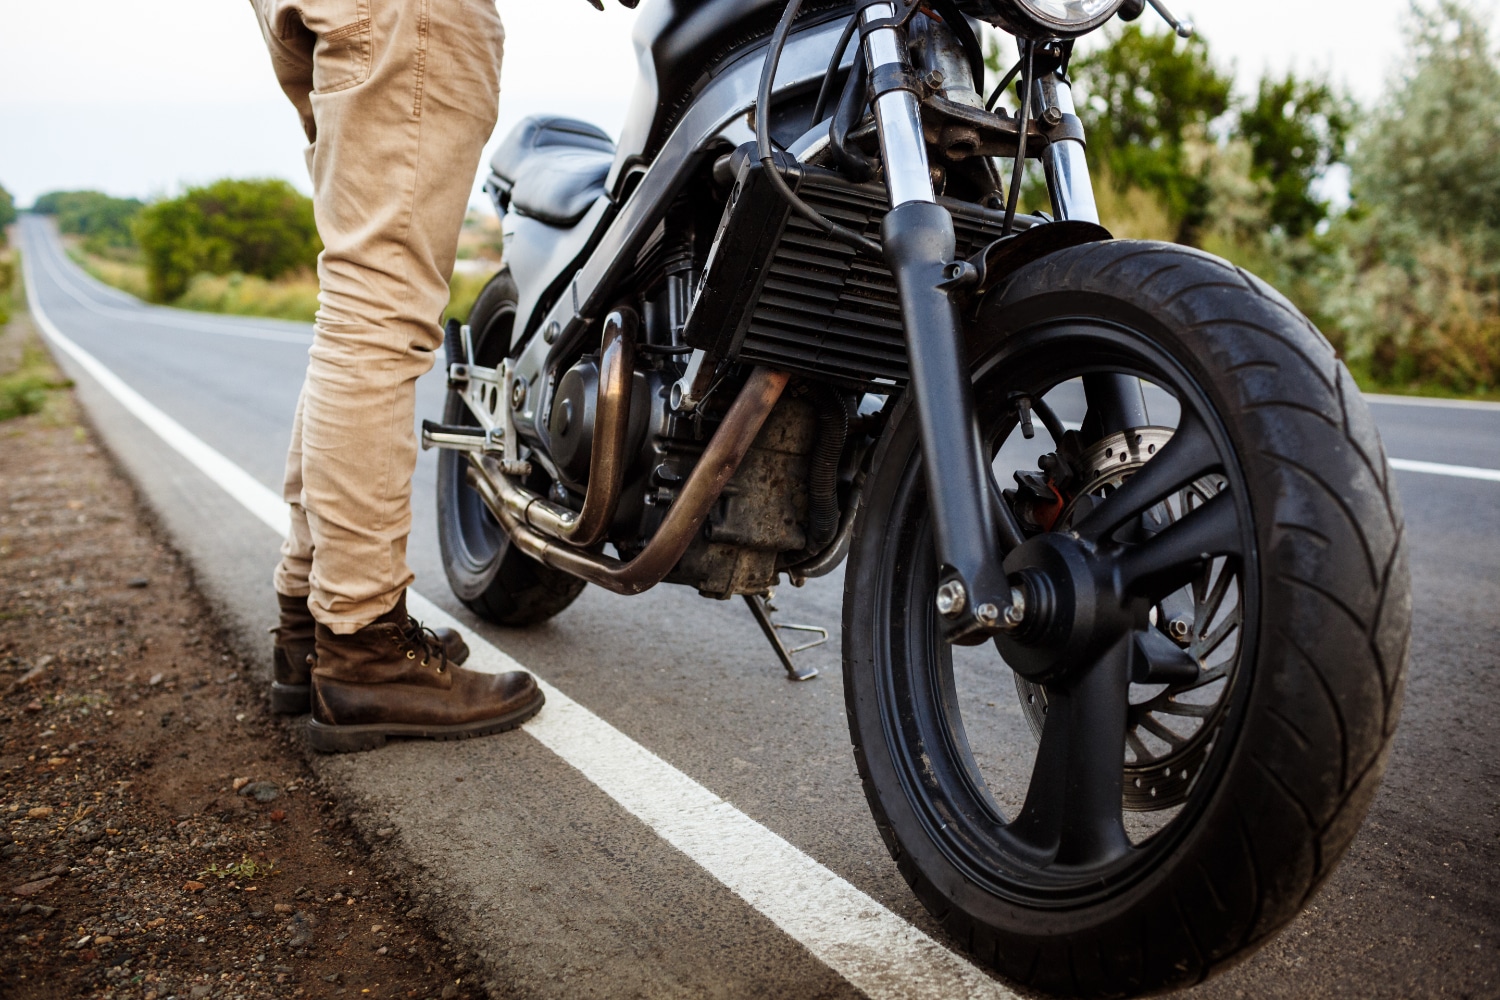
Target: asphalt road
{"type": "Point", "coordinates": [564, 892]}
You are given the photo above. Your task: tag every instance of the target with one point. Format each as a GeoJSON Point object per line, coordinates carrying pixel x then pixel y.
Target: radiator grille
{"type": "Point", "coordinates": [825, 311]}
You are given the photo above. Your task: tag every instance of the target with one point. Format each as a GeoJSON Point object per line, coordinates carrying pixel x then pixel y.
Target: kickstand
{"type": "Point", "coordinates": [762, 608]}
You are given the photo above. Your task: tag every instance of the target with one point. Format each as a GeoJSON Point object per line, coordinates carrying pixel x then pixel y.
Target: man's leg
{"type": "Point", "coordinates": [398, 99]}
{"type": "Point", "coordinates": [291, 678]}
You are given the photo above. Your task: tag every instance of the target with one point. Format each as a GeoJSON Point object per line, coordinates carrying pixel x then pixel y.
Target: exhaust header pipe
{"type": "Point", "coordinates": [529, 519]}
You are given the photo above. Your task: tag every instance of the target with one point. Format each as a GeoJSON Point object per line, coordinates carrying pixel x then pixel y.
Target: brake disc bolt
{"type": "Point", "coordinates": [951, 599]}
{"type": "Point", "coordinates": [1179, 629]}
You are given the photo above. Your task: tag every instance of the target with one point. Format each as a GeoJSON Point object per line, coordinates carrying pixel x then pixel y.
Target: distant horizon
{"type": "Point", "coordinates": [104, 105]}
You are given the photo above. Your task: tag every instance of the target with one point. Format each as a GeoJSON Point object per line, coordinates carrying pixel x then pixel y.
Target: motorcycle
{"type": "Point", "coordinates": [795, 320]}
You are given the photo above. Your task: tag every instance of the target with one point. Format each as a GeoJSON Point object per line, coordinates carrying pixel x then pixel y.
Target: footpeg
{"type": "Point", "coordinates": [762, 608]}
{"type": "Point", "coordinates": [459, 438]}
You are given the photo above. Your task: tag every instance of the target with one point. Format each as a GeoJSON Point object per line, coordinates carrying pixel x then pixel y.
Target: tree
{"type": "Point", "coordinates": [1431, 154]}
{"type": "Point", "coordinates": [103, 221]}
{"type": "Point", "coordinates": [1296, 130]}
{"type": "Point", "coordinates": [258, 227]}
{"type": "Point", "coordinates": [1147, 96]}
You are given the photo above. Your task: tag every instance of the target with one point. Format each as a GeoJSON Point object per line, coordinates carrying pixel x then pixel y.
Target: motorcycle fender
{"type": "Point", "coordinates": [1005, 257]}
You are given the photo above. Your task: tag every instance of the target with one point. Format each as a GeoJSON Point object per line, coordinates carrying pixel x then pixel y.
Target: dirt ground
{"type": "Point", "coordinates": [161, 835]}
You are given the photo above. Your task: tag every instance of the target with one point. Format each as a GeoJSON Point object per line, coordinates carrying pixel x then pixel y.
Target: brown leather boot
{"type": "Point", "coordinates": [395, 678]}
{"type": "Point", "coordinates": [291, 674]}
{"type": "Point", "coordinates": [296, 642]}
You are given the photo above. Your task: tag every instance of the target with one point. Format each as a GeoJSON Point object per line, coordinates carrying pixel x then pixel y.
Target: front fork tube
{"type": "Point", "coordinates": [973, 526]}
{"type": "Point", "coordinates": [968, 516]}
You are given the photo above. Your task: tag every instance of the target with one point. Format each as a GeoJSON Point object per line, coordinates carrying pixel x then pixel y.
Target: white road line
{"type": "Point", "coordinates": [1428, 401]}
{"type": "Point", "coordinates": [1437, 469]}
{"type": "Point", "coordinates": [875, 950]}
{"type": "Point", "coordinates": [160, 315]}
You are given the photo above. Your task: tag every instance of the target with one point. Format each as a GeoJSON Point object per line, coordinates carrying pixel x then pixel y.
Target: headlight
{"type": "Point", "coordinates": [1056, 18]}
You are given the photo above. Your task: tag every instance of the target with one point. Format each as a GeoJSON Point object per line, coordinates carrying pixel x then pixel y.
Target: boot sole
{"type": "Point", "coordinates": [291, 699]}
{"type": "Point", "coordinates": [329, 738]}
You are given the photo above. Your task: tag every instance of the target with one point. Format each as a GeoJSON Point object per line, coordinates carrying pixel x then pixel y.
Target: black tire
{"type": "Point", "coordinates": [1311, 710]}
{"type": "Point", "coordinates": [494, 580]}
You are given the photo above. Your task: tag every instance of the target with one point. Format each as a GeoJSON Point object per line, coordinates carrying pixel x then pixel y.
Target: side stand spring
{"type": "Point", "coordinates": [762, 608]}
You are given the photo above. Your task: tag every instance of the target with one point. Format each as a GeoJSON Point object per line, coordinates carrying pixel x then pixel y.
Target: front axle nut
{"type": "Point", "coordinates": [952, 598]}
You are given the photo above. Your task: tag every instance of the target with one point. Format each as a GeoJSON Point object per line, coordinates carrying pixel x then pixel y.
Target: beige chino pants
{"type": "Point", "coordinates": [397, 98]}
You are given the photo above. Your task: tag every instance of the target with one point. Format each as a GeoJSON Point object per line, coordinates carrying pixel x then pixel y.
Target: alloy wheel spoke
{"type": "Point", "coordinates": [1138, 746]}
{"type": "Point", "coordinates": [1217, 637]}
{"type": "Point", "coordinates": [1153, 726]}
{"type": "Point", "coordinates": [1185, 709]}
{"type": "Point", "coordinates": [1189, 456]}
{"type": "Point", "coordinates": [1172, 559]}
{"type": "Point", "coordinates": [1073, 805]}
{"type": "Point", "coordinates": [1204, 680]}
{"type": "Point", "coordinates": [1208, 606]}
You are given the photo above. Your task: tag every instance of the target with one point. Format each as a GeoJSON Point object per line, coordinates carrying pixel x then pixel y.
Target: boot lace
{"type": "Point", "coordinates": [421, 640]}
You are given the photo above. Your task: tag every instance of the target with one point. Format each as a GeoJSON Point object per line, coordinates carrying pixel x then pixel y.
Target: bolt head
{"type": "Point", "coordinates": [518, 393]}
{"type": "Point", "coordinates": [1179, 629]}
{"type": "Point", "coordinates": [1016, 613]}
{"type": "Point", "coordinates": [550, 333]}
{"type": "Point", "coordinates": [951, 599]}
{"type": "Point", "coordinates": [988, 615]}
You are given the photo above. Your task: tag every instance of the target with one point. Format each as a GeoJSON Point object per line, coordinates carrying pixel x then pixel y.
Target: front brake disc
{"type": "Point", "coordinates": [1170, 729]}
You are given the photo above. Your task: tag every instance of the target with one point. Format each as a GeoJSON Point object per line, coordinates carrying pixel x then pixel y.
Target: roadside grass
{"type": "Point", "coordinates": [292, 298]}
{"type": "Point", "coordinates": [246, 868]}
{"type": "Point", "coordinates": [29, 388]}
{"type": "Point", "coordinates": [247, 295]}
{"type": "Point", "coordinates": [29, 381]}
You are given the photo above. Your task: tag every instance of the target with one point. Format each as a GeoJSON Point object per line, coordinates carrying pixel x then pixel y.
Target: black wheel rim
{"type": "Point", "coordinates": [922, 713]}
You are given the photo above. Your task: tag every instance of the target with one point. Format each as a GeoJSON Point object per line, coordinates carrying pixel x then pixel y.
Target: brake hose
{"type": "Point", "coordinates": [1023, 126]}
{"type": "Point", "coordinates": [826, 91]}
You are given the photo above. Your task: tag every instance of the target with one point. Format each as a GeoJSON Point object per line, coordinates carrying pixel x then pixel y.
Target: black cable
{"type": "Point", "coordinates": [826, 91]}
{"type": "Point", "coordinates": [1023, 121]}
{"type": "Point", "coordinates": [990, 104]}
{"type": "Point", "coordinates": [767, 155]}
{"type": "Point", "coordinates": [850, 159]}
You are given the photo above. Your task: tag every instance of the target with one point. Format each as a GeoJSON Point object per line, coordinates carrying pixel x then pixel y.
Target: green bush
{"type": "Point", "coordinates": [1412, 275]}
{"type": "Point", "coordinates": [104, 222]}
{"type": "Point", "coordinates": [7, 211]}
{"type": "Point", "coordinates": [263, 228]}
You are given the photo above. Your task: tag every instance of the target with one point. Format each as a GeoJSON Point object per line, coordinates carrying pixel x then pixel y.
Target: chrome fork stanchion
{"type": "Point", "coordinates": [1118, 399]}
{"type": "Point", "coordinates": [907, 173]}
{"type": "Point", "coordinates": [1067, 168]}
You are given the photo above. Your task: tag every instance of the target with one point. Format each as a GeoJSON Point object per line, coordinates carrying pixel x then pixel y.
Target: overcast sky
{"type": "Point", "coordinates": [144, 98]}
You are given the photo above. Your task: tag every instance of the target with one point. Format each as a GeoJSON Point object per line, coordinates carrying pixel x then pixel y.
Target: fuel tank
{"type": "Point", "coordinates": [681, 44]}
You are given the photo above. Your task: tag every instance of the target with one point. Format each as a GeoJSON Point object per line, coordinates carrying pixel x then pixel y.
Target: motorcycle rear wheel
{"type": "Point", "coordinates": [1303, 724]}
{"type": "Point", "coordinates": [496, 581]}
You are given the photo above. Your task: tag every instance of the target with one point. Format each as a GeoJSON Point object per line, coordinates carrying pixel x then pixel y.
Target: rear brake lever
{"type": "Point", "coordinates": [1184, 28]}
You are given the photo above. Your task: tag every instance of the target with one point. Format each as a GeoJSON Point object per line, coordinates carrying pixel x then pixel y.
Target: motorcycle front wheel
{"type": "Point", "coordinates": [1109, 836]}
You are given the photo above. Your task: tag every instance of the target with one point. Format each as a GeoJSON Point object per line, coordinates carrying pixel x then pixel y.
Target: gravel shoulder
{"type": "Point", "coordinates": [161, 836]}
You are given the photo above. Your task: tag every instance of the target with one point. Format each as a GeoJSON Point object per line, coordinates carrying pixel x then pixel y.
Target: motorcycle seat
{"type": "Point", "coordinates": [552, 169]}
